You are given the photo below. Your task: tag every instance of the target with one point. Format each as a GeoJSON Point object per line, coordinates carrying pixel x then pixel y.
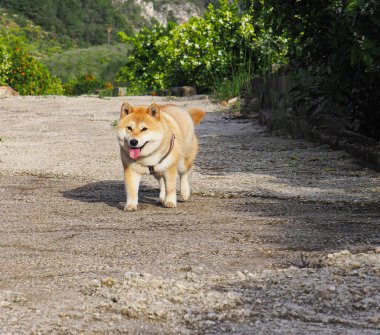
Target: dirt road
{"type": "Point", "coordinates": [281, 236]}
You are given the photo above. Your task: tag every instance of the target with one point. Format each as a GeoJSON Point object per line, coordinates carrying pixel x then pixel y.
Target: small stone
{"type": "Point", "coordinates": [241, 275]}
{"type": "Point", "coordinates": [156, 283]}
{"type": "Point", "coordinates": [366, 290]}
{"type": "Point", "coordinates": [233, 101]}
{"type": "Point", "coordinates": [95, 283]}
{"type": "Point", "coordinates": [247, 313]}
{"type": "Point", "coordinates": [323, 294]}
{"type": "Point", "coordinates": [5, 304]}
{"type": "Point", "coordinates": [355, 265]}
{"type": "Point", "coordinates": [276, 313]}
{"type": "Point", "coordinates": [375, 319]}
{"type": "Point", "coordinates": [377, 250]}
{"type": "Point", "coordinates": [358, 305]}
{"type": "Point", "coordinates": [234, 297]}
{"type": "Point", "coordinates": [160, 313]}
{"type": "Point", "coordinates": [181, 286]}
{"type": "Point", "coordinates": [369, 303]}
{"type": "Point", "coordinates": [362, 274]}
{"type": "Point", "coordinates": [212, 316]}
{"type": "Point", "coordinates": [108, 281]}
{"type": "Point", "coordinates": [356, 297]}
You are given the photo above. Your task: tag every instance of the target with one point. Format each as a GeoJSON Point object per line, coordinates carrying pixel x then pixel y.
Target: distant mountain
{"type": "Point", "coordinates": [94, 22]}
{"type": "Point", "coordinates": [84, 21]}
{"type": "Point", "coordinates": [179, 11]}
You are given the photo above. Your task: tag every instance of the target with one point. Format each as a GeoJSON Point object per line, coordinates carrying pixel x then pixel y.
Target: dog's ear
{"type": "Point", "coordinates": [154, 111]}
{"type": "Point", "coordinates": [126, 109]}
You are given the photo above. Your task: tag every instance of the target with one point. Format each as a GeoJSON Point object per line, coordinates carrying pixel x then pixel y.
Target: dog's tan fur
{"type": "Point", "coordinates": [152, 127]}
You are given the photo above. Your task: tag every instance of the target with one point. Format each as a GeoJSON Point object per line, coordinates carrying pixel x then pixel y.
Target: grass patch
{"type": "Point", "coordinates": [234, 82]}
{"type": "Point", "coordinates": [101, 61]}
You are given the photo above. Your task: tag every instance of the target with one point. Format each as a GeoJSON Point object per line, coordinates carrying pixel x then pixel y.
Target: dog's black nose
{"type": "Point", "coordinates": [133, 142]}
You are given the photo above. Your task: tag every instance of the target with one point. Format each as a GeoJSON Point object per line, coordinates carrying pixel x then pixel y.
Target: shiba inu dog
{"type": "Point", "coordinates": [158, 140]}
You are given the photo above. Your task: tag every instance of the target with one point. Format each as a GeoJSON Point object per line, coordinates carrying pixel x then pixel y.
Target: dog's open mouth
{"type": "Point", "coordinates": [134, 153]}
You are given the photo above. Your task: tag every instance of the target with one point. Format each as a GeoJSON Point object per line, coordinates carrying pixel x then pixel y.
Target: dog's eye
{"type": "Point", "coordinates": [129, 128]}
{"type": "Point", "coordinates": [144, 129]}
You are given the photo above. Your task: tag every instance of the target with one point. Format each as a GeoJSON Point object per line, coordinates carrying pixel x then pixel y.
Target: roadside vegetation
{"type": "Point", "coordinates": [84, 70]}
{"type": "Point", "coordinates": [219, 50]}
{"type": "Point", "coordinates": [24, 72]}
{"type": "Point", "coordinates": [83, 23]}
{"type": "Point", "coordinates": [333, 56]}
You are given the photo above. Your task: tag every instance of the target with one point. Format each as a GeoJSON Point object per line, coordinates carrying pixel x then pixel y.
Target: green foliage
{"type": "Point", "coordinates": [226, 87]}
{"type": "Point", "coordinates": [334, 47]}
{"type": "Point", "coordinates": [102, 61]}
{"type": "Point", "coordinates": [34, 38]}
{"type": "Point", "coordinates": [198, 53]}
{"type": "Point", "coordinates": [85, 85]}
{"type": "Point", "coordinates": [85, 21]}
{"type": "Point", "coordinates": [29, 77]}
{"type": "Point", "coordinates": [364, 17]}
{"type": "Point", "coordinates": [88, 84]}
{"type": "Point", "coordinates": [5, 63]}
{"type": "Point", "coordinates": [23, 72]}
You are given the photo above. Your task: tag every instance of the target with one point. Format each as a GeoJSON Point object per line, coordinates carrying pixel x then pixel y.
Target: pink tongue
{"type": "Point", "coordinates": [134, 153]}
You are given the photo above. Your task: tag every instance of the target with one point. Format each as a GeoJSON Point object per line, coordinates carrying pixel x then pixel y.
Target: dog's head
{"type": "Point", "coordinates": [139, 129]}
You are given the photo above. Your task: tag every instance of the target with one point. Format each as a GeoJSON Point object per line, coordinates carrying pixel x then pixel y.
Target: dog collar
{"type": "Point", "coordinates": [151, 167]}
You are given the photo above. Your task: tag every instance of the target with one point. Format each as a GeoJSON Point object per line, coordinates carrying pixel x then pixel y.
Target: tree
{"type": "Point", "coordinates": [334, 47]}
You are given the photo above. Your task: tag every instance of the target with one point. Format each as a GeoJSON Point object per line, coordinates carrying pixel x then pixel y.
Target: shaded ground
{"type": "Point", "coordinates": [279, 236]}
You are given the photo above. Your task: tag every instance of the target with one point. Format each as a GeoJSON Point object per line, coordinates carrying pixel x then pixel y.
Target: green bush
{"type": "Point", "coordinates": [37, 41]}
{"type": "Point", "coordinates": [5, 63]}
{"type": "Point", "coordinates": [84, 22]}
{"type": "Point", "coordinates": [24, 73]}
{"type": "Point", "coordinates": [334, 52]}
{"type": "Point", "coordinates": [88, 84]}
{"type": "Point", "coordinates": [102, 61]}
{"type": "Point", "coordinates": [199, 53]}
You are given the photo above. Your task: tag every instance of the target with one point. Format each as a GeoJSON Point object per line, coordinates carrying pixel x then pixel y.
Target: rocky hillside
{"type": "Point", "coordinates": [178, 11]}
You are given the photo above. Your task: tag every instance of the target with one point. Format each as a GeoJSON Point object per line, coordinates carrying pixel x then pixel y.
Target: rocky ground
{"type": "Point", "coordinates": [281, 236]}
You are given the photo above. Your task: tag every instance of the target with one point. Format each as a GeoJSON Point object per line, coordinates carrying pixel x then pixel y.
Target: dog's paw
{"type": "Point", "coordinates": [161, 201]}
{"type": "Point", "coordinates": [170, 204]}
{"type": "Point", "coordinates": [130, 207]}
{"type": "Point", "coordinates": [185, 196]}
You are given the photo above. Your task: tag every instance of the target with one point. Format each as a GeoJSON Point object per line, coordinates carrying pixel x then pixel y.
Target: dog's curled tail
{"type": "Point", "coordinates": [197, 115]}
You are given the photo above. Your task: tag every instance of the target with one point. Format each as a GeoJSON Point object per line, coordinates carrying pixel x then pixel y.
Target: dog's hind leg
{"type": "Point", "coordinates": [183, 170]}
{"type": "Point", "coordinates": [184, 167]}
{"type": "Point", "coordinates": [185, 186]}
{"type": "Point", "coordinates": [162, 190]}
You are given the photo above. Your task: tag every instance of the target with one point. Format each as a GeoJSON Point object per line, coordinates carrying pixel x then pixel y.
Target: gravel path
{"type": "Point", "coordinates": [281, 236]}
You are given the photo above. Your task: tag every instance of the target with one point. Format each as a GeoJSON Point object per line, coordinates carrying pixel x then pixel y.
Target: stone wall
{"type": "Point", "coordinates": [270, 100]}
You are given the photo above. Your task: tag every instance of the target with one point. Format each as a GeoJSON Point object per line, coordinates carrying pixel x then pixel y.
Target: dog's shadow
{"type": "Point", "coordinates": [110, 192]}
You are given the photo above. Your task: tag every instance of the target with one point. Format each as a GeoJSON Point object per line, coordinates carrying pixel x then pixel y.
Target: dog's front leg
{"type": "Point", "coordinates": [162, 190]}
{"type": "Point", "coordinates": [132, 182]}
{"type": "Point", "coordinates": [170, 178]}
